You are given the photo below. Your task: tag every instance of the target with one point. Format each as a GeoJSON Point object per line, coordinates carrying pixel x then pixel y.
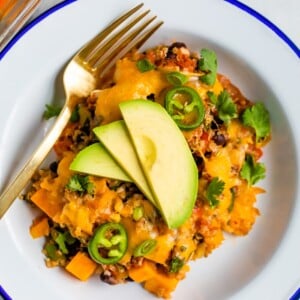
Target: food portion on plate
{"type": "Point", "coordinates": [151, 171]}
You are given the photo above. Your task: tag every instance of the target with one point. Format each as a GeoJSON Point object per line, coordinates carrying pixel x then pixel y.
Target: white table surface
{"type": "Point", "coordinates": [283, 13]}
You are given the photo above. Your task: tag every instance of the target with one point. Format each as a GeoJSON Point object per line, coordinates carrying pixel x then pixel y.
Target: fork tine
{"type": "Point", "coordinates": [100, 58]}
{"type": "Point", "coordinates": [89, 47]}
{"type": "Point", "coordinates": [101, 50]}
{"type": "Point", "coordinates": [127, 45]}
{"type": "Point", "coordinates": [143, 38]}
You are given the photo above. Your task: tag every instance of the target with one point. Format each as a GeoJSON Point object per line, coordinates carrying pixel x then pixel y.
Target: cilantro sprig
{"type": "Point", "coordinates": [51, 111]}
{"type": "Point", "coordinates": [258, 118]}
{"type": "Point", "coordinates": [208, 64]}
{"type": "Point", "coordinates": [252, 171]}
{"type": "Point", "coordinates": [175, 264]}
{"type": "Point", "coordinates": [225, 106]}
{"type": "Point", "coordinates": [214, 189]}
{"type": "Point", "coordinates": [79, 183]}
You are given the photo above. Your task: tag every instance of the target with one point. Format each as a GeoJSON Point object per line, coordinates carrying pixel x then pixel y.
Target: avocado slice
{"type": "Point", "coordinates": [95, 160]}
{"type": "Point", "coordinates": [115, 137]}
{"type": "Point", "coordinates": [165, 158]}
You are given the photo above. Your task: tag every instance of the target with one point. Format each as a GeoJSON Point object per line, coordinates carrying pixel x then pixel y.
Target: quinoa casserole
{"type": "Point", "coordinates": [107, 227]}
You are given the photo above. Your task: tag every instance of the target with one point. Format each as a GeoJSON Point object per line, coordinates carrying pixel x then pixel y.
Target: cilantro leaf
{"type": "Point", "coordinates": [175, 265]}
{"type": "Point", "coordinates": [212, 97]}
{"type": "Point", "coordinates": [208, 64]}
{"type": "Point", "coordinates": [75, 115]}
{"type": "Point", "coordinates": [79, 183]}
{"type": "Point", "coordinates": [214, 189]}
{"type": "Point", "coordinates": [252, 171]}
{"type": "Point", "coordinates": [226, 108]}
{"type": "Point", "coordinates": [258, 118]}
{"type": "Point", "coordinates": [51, 111]}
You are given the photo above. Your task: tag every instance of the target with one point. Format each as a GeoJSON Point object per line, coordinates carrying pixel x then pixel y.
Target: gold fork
{"type": "Point", "coordinates": [81, 75]}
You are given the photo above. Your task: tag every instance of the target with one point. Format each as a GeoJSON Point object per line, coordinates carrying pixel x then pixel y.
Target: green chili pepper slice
{"type": "Point", "coordinates": [144, 248]}
{"type": "Point", "coordinates": [185, 106]}
{"type": "Point", "coordinates": [109, 243]}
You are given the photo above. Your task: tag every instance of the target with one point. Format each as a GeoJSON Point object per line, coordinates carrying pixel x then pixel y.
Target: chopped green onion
{"type": "Point", "coordinates": [144, 65]}
{"type": "Point", "coordinates": [51, 251]}
{"type": "Point", "coordinates": [176, 78]}
{"type": "Point", "coordinates": [138, 213]}
{"type": "Point", "coordinates": [232, 191]}
{"type": "Point", "coordinates": [144, 248]}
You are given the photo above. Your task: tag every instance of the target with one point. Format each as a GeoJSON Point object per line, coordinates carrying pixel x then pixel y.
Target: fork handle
{"type": "Point", "coordinates": [13, 190]}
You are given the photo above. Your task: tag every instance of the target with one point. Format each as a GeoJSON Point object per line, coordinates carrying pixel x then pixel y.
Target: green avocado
{"type": "Point", "coordinates": [165, 157]}
{"type": "Point", "coordinates": [95, 160]}
{"type": "Point", "coordinates": [114, 136]}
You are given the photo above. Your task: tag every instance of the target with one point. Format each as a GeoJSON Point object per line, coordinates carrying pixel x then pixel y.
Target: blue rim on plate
{"type": "Point", "coordinates": [236, 3]}
{"type": "Point", "coordinates": [3, 294]}
{"type": "Point", "coordinates": [265, 21]}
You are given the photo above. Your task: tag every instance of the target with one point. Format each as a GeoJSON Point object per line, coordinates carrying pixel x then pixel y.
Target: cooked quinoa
{"type": "Point", "coordinates": [220, 146]}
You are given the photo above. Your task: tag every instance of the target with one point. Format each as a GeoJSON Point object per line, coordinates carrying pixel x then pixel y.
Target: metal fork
{"type": "Point", "coordinates": [81, 75]}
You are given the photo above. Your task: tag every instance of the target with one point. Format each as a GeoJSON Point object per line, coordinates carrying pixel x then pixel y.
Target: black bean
{"type": "Point", "coordinates": [170, 53]}
{"type": "Point", "coordinates": [208, 154]}
{"type": "Point", "coordinates": [53, 167]}
{"type": "Point", "coordinates": [151, 97]}
{"type": "Point", "coordinates": [177, 45]}
{"type": "Point", "coordinates": [199, 237]}
{"type": "Point", "coordinates": [219, 139]}
{"type": "Point", "coordinates": [108, 277]}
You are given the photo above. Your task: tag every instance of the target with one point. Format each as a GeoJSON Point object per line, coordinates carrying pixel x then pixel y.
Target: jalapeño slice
{"type": "Point", "coordinates": [109, 243]}
{"type": "Point", "coordinates": [185, 106]}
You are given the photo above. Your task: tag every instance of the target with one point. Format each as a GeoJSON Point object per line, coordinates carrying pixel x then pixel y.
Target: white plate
{"type": "Point", "coordinates": [263, 265]}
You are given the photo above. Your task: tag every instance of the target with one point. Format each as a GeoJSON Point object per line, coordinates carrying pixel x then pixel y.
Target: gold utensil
{"type": "Point", "coordinates": [81, 75]}
{"type": "Point", "coordinates": [13, 16]}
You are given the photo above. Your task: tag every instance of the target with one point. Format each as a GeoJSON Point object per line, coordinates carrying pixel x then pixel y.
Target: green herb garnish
{"type": "Point", "coordinates": [258, 118]}
{"type": "Point", "coordinates": [214, 189]}
{"type": "Point", "coordinates": [51, 111]}
{"type": "Point", "coordinates": [138, 213]}
{"type": "Point", "coordinates": [175, 265]}
{"type": "Point", "coordinates": [75, 115]}
{"type": "Point", "coordinates": [144, 65]}
{"type": "Point", "coordinates": [51, 251]}
{"type": "Point", "coordinates": [176, 78]}
{"type": "Point", "coordinates": [225, 106]}
{"type": "Point", "coordinates": [208, 64]}
{"type": "Point", "coordinates": [232, 200]}
{"type": "Point", "coordinates": [252, 171]}
{"type": "Point", "coordinates": [79, 183]}
{"type": "Point", "coordinates": [62, 240]}
{"type": "Point", "coordinates": [146, 247]}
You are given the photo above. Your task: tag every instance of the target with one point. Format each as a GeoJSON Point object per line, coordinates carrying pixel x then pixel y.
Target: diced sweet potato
{"type": "Point", "coordinates": [161, 285]}
{"type": "Point", "coordinates": [39, 227]}
{"type": "Point", "coordinates": [144, 272]}
{"type": "Point", "coordinates": [46, 202]}
{"type": "Point", "coordinates": [81, 266]}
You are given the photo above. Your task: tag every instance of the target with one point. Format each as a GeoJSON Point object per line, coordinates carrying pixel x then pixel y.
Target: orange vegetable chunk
{"type": "Point", "coordinates": [46, 202]}
{"type": "Point", "coordinates": [81, 266]}
{"type": "Point", "coordinates": [39, 227]}
{"type": "Point", "coordinates": [144, 272]}
{"type": "Point", "coordinates": [161, 285]}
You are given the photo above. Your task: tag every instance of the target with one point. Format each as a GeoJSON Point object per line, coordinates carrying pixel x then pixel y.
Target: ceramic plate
{"type": "Point", "coordinates": [258, 58]}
